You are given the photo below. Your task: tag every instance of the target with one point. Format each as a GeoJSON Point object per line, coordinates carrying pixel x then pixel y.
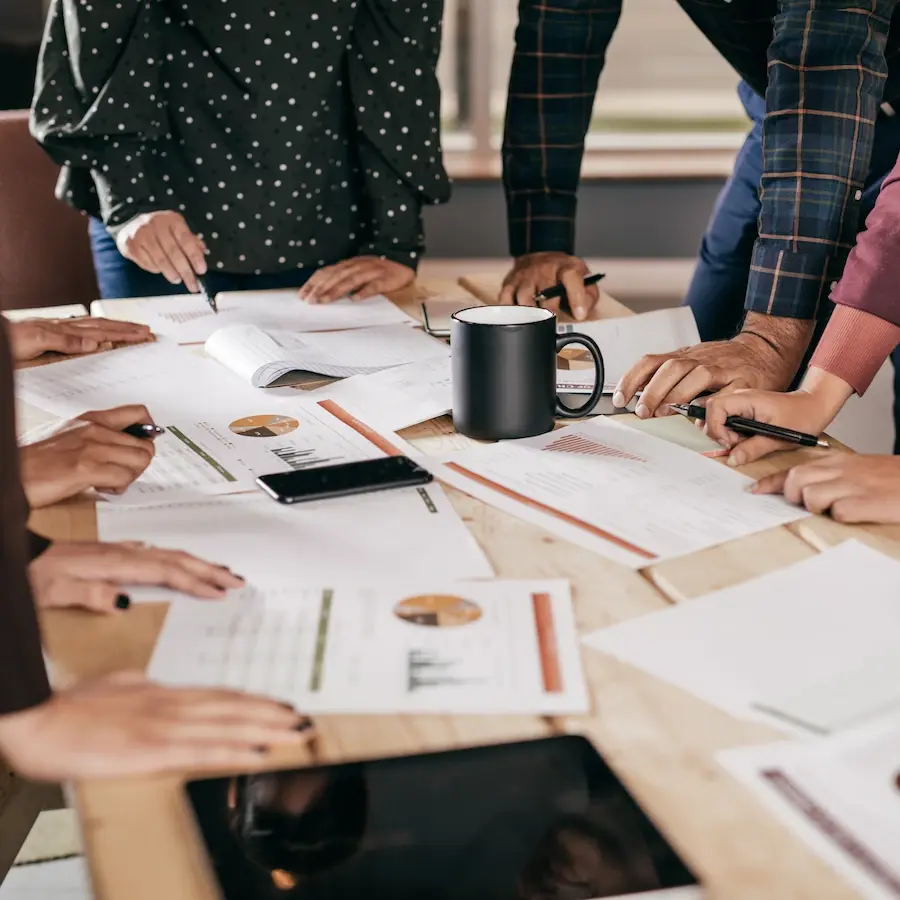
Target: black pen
{"type": "Point", "coordinates": [559, 290]}
{"type": "Point", "coordinates": [142, 430]}
{"type": "Point", "coordinates": [740, 425]}
{"type": "Point", "coordinates": [210, 296]}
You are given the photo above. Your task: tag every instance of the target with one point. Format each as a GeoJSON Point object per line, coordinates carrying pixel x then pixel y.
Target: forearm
{"type": "Point", "coordinates": [560, 50]}
{"type": "Point", "coordinates": [827, 72]}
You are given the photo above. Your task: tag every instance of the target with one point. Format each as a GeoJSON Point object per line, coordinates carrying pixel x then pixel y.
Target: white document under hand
{"type": "Point", "coordinates": [820, 621]}
{"type": "Point", "coordinates": [840, 795]}
{"type": "Point", "coordinates": [220, 432]}
{"type": "Point", "coordinates": [623, 341]}
{"type": "Point", "coordinates": [416, 646]}
{"type": "Point", "coordinates": [265, 357]}
{"type": "Point", "coordinates": [188, 318]}
{"type": "Point", "coordinates": [630, 496]}
{"type": "Point", "coordinates": [396, 398]}
{"type": "Point", "coordinates": [413, 531]}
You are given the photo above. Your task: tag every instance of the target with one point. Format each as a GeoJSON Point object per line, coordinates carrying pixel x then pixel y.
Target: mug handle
{"type": "Point", "coordinates": [563, 340]}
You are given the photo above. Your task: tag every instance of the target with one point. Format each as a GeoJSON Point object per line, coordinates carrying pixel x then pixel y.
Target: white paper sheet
{"type": "Point", "coordinates": [71, 311]}
{"type": "Point", "coordinates": [59, 879]}
{"type": "Point", "coordinates": [412, 646]}
{"type": "Point", "coordinates": [220, 432]}
{"type": "Point", "coordinates": [623, 341]}
{"type": "Point", "coordinates": [630, 496]}
{"type": "Point", "coordinates": [781, 633]}
{"type": "Point", "coordinates": [188, 318]}
{"type": "Point", "coordinates": [816, 790]}
{"type": "Point", "coordinates": [414, 532]}
{"type": "Point", "coordinates": [263, 357]}
{"type": "Point", "coordinates": [396, 398]}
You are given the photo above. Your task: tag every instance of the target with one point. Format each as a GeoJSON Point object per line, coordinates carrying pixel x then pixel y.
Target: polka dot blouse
{"type": "Point", "coordinates": [289, 133]}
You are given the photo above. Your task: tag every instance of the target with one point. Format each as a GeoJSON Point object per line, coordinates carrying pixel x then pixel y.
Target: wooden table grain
{"type": "Point", "coordinates": [142, 843]}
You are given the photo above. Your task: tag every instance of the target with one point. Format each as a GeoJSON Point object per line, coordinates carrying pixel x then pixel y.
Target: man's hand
{"type": "Point", "coordinates": [91, 575]}
{"type": "Point", "coordinates": [536, 272]}
{"type": "Point", "coordinates": [764, 356]}
{"type": "Point", "coordinates": [357, 278]}
{"type": "Point", "coordinates": [91, 453]}
{"type": "Point", "coordinates": [123, 725]}
{"type": "Point", "coordinates": [161, 242]}
{"type": "Point", "coordinates": [853, 488]}
{"type": "Point", "coordinates": [33, 337]}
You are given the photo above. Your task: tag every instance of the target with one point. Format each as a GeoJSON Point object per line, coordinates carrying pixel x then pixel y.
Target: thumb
{"type": "Point", "coordinates": [754, 448]}
{"type": "Point", "coordinates": [62, 342]}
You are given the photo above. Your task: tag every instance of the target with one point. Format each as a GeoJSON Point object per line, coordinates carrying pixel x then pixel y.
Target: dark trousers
{"type": "Point", "coordinates": [718, 288]}
{"type": "Point", "coordinates": [119, 277]}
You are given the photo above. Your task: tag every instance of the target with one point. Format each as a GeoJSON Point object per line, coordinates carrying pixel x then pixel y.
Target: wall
{"type": "Point", "coordinates": [646, 219]}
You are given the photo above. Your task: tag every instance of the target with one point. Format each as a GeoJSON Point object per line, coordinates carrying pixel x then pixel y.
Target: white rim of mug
{"type": "Point", "coordinates": [533, 314]}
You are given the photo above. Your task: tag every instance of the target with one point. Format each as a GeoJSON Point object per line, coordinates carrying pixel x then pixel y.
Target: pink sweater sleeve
{"type": "Point", "coordinates": [854, 346]}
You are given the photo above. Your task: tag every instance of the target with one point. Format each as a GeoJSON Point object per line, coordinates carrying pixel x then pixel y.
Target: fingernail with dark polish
{"type": "Point", "coordinates": [123, 601]}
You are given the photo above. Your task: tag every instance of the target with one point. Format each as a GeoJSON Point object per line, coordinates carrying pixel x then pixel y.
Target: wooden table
{"type": "Point", "coordinates": [140, 837]}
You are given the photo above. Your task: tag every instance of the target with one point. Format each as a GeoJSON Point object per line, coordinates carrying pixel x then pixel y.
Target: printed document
{"type": "Point", "coordinates": [411, 531]}
{"type": "Point", "coordinates": [623, 342]}
{"type": "Point", "coordinates": [396, 398]}
{"type": "Point", "coordinates": [417, 646]}
{"type": "Point", "coordinates": [71, 311]}
{"type": "Point", "coordinates": [840, 795]}
{"type": "Point", "coordinates": [263, 358]}
{"type": "Point", "coordinates": [220, 432]}
{"type": "Point", "coordinates": [832, 620]}
{"type": "Point", "coordinates": [630, 496]}
{"type": "Point", "coordinates": [188, 318]}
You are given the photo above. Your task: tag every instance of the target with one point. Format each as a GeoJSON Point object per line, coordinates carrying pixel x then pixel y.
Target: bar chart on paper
{"type": "Point", "coordinates": [577, 443]}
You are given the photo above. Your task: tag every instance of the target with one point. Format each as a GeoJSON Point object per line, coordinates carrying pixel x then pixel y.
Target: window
{"type": "Point", "coordinates": [664, 86]}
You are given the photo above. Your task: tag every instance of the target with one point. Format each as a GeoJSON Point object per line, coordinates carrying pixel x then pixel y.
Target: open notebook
{"type": "Point", "coordinates": [275, 357]}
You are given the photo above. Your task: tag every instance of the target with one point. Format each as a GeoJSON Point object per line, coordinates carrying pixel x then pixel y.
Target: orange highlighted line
{"type": "Point", "coordinates": [547, 643]}
{"type": "Point", "coordinates": [556, 513]}
{"type": "Point", "coordinates": [370, 434]}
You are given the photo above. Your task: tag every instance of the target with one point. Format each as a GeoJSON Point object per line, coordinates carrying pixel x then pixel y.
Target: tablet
{"type": "Point", "coordinates": [538, 820]}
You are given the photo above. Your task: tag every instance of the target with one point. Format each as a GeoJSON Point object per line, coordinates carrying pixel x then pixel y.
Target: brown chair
{"type": "Point", "coordinates": [45, 257]}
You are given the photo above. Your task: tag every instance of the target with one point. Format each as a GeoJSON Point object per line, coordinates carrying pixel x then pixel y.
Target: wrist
{"type": "Point", "coordinates": [827, 392]}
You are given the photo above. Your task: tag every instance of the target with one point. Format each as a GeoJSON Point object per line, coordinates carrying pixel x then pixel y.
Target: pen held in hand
{"type": "Point", "coordinates": [751, 428]}
{"type": "Point", "coordinates": [559, 291]}
{"type": "Point", "coordinates": [210, 296]}
{"type": "Point", "coordinates": [144, 430]}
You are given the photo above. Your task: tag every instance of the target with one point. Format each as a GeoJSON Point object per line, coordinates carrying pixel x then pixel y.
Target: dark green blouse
{"type": "Point", "coordinates": [289, 133]}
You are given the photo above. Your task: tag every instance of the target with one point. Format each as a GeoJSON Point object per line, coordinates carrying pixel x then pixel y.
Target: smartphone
{"type": "Point", "coordinates": [344, 480]}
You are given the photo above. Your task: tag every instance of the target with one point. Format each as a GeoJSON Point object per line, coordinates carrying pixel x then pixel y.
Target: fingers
{"type": "Point", "coordinates": [801, 479]}
{"type": "Point", "coordinates": [752, 449]}
{"type": "Point", "coordinates": [317, 286]}
{"type": "Point", "coordinates": [59, 340]}
{"type": "Point", "coordinates": [183, 572]}
{"type": "Point", "coordinates": [182, 248]}
{"type": "Point", "coordinates": [119, 417]}
{"type": "Point", "coordinates": [637, 377]}
{"type": "Point", "coordinates": [161, 242]}
{"type": "Point", "coordinates": [106, 330]}
{"type": "Point", "coordinates": [771, 484]}
{"type": "Point", "coordinates": [96, 596]}
{"type": "Point", "coordinates": [577, 297]}
{"type": "Point", "coordinates": [346, 281]}
{"type": "Point", "coordinates": [667, 384]}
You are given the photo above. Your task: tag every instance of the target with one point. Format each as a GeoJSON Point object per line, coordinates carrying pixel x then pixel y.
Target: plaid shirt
{"type": "Point", "coordinates": [824, 67]}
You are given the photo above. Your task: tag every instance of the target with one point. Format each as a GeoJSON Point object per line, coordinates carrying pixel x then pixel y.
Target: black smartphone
{"type": "Point", "coordinates": [345, 479]}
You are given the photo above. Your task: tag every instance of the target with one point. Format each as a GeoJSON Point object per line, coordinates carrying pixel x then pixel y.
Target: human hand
{"type": "Point", "coordinates": [90, 575]}
{"type": "Point", "coordinates": [122, 725]}
{"type": "Point", "coordinates": [536, 272]}
{"type": "Point", "coordinates": [91, 452]}
{"type": "Point", "coordinates": [852, 487]}
{"type": "Point", "coordinates": [356, 278]}
{"type": "Point", "coordinates": [161, 242]}
{"type": "Point", "coordinates": [32, 337]}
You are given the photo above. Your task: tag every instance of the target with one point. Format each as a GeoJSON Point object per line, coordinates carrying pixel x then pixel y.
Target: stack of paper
{"type": "Point", "coordinates": [415, 531]}
{"type": "Point", "coordinates": [811, 647]}
{"type": "Point", "coordinates": [188, 318]}
{"type": "Point", "coordinates": [417, 646]}
{"type": "Point", "coordinates": [623, 342]}
{"type": "Point", "coordinates": [265, 357]}
{"type": "Point", "coordinates": [220, 432]}
{"type": "Point", "coordinates": [615, 490]}
{"type": "Point", "coordinates": [841, 795]}
{"type": "Point", "coordinates": [72, 311]}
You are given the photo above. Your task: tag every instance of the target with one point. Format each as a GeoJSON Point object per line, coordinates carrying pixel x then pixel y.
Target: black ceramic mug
{"type": "Point", "coordinates": [504, 371]}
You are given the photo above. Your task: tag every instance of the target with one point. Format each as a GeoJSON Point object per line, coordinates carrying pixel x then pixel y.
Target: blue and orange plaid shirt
{"type": "Point", "coordinates": [824, 66]}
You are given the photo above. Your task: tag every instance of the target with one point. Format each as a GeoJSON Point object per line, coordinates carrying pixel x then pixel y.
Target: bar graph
{"type": "Point", "coordinates": [584, 446]}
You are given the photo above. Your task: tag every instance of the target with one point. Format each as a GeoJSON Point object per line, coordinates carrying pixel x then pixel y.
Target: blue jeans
{"type": "Point", "coordinates": [119, 277]}
{"type": "Point", "coordinates": [718, 289]}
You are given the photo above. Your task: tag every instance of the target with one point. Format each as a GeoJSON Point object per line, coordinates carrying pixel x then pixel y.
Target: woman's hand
{"type": "Point", "coordinates": [31, 338]}
{"type": "Point", "coordinates": [91, 575]}
{"type": "Point", "coordinates": [89, 452]}
{"type": "Point", "coordinates": [357, 278]}
{"type": "Point", "coordinates": [123, 725]}
{"type": "Point", "coordinates": [852, 487]}
{"type": "Point", "coordinates": [161, 242]}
